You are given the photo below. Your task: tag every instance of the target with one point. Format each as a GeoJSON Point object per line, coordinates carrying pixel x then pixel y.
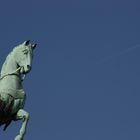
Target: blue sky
{"type": "Point", "coordinates": [84, 84]}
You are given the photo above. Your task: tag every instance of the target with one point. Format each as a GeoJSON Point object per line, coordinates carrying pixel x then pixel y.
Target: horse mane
{"type": "Point", "coordinates": [7, 59]}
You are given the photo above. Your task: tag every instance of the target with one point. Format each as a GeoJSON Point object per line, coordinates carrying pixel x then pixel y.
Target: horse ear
{"type": "Point", "coordinates": [27, 42]}
{"type": "Point", "coordinates": [34, 46]}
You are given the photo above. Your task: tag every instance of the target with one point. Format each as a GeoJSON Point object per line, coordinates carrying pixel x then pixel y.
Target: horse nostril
{"type": "Point", "coordinates": [28, 66]}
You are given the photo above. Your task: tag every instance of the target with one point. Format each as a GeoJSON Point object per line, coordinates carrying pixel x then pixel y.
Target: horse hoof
{"type": "Point", "coordinates": [19, 137]}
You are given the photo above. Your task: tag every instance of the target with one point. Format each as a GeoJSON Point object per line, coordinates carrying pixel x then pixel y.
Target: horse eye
{"type": "Point", "coordinates": [25, 51]}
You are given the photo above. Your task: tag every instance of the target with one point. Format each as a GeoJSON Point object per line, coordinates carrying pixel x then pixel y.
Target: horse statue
{"type": "Point", "coordinates": [12, 96]}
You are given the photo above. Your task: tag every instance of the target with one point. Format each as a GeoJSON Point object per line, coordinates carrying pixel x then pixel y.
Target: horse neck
{"type": "Point", "coordinates": [10, 81]}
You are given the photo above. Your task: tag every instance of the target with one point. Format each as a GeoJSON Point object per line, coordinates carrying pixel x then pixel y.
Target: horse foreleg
{"type": "Point", "coordinates": [24, 116]}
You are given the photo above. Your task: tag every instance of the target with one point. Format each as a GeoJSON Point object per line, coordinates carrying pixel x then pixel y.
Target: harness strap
{"type": "Point", "coordinates": [14, 73]}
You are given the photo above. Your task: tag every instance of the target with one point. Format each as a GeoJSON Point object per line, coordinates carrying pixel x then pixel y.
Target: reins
{"type": "Point", "coordinates": [14, 73]}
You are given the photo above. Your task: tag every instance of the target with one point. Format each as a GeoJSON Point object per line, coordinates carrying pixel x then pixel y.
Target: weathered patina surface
{"type": "Point", "coordinates": [12, 96]}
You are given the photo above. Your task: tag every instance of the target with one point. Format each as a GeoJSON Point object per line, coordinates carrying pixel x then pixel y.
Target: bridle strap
{"type": "Point", "coordinates": [14, 73]}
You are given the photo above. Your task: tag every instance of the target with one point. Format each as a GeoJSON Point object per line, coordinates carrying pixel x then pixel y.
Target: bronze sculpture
{"type": "Point", "coordinates": [12, 96]}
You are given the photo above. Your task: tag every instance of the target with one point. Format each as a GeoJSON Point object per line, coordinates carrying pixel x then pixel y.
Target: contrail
{"type": "Point", "coordinates": [119, 54]}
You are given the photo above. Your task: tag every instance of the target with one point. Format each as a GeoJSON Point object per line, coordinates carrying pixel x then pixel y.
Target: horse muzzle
{"type": "Point", "coordinates": [25, 69]}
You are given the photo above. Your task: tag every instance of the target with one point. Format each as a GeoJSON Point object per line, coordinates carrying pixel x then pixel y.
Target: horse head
{"type": "Point", "coordinates": [24, 55]}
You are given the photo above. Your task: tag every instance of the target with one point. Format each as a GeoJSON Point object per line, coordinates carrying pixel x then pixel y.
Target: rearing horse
{"type": "Point", "coordinates": [12, 96]}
